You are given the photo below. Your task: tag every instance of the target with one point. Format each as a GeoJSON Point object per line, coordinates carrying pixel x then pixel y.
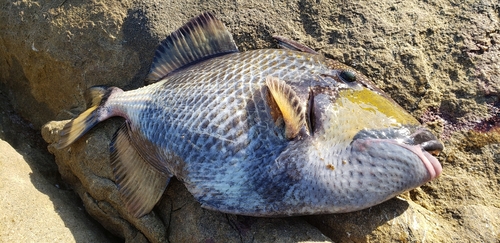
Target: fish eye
{"type": "Point", "coordinates": [347, 76]}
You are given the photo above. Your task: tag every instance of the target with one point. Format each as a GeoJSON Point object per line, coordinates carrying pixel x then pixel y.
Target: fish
{"type": "Point", "coordinates": [266, 132]}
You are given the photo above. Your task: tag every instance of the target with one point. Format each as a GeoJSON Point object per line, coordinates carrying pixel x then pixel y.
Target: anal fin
{"type": "Point", "coordinates": [139, 183]}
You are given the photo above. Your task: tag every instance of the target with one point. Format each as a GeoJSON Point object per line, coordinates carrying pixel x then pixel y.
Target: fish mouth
{"type": "Point", "coordinates": [431, 163]}
{"type": "Point", "coordinates": [426, 146]}
{"type": "Point", "coordinates": [421, 142]}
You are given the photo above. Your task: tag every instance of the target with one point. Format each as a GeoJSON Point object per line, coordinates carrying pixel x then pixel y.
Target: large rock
{"type": "Point", "coordinates": [439, 60]}
{"type": "Point", "coordinates": [33, 210]}
{"type": "Point", "coordinates": [35, 206]}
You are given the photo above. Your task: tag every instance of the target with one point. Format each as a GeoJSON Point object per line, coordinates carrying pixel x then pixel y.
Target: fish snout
{"type": "Point", "coordinates": [428, 141]}
{"type": "Point", "coordinates": [430, 147]}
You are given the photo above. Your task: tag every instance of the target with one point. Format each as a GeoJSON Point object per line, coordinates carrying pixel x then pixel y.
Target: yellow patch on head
{"type": "Point", "coordinates": [356, 110]}
{"type": "Point", "coordinates": [372, 101]}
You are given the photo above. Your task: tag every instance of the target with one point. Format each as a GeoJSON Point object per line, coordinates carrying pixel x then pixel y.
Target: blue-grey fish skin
{"type": "Point", "coordinates": [213, 128]}
{"type": "Point", "coordinates": [213, 118]}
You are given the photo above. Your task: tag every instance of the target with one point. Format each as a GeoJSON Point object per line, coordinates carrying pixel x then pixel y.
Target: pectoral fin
{"type": "Point", "coordinates": [289, 105]}
{"type": "Point", "coordinates": [140, 184]}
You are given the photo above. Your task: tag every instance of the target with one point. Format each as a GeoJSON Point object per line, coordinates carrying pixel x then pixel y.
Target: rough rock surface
{"type": "Point", "coordinates": [29, 214]}
{"type": "Point", "coordinates": [34, 207]}
{"type": "Point", "coordinates": [440, 60]}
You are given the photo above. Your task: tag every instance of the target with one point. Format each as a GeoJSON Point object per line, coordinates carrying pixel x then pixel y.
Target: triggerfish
{"type": "Point", "coordinates": [269, 132]}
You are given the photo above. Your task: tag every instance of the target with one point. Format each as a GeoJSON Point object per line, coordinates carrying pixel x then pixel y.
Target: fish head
{"type": "Point", "coordinates": [361, 142]}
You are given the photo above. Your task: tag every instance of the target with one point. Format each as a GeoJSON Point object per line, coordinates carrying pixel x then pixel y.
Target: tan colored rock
{"type": "Point", "coordinates": [32, 210]}
{"type": "Point", "coordinates": [398, 219]}
{"type": "Point", "coordinates": [439, 60]}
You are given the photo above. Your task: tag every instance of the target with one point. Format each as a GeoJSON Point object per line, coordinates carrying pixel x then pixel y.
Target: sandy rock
{"type": "Point", "coordinates": [33, 210]}
{"type": "Point", "coordinates": [439, 60]}
{"type": "Point", "coordinates": [35, 204]}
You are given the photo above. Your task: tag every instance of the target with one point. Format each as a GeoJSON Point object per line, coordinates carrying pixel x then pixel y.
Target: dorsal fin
{"type": "Point", "coordinates": [289, 104]}
{"type": "Point", "coordinates": [201, 38]}
{"type": "Point", "coordinates": [293, 45]}
{"type": "Point", "coordinates": [139, 183]}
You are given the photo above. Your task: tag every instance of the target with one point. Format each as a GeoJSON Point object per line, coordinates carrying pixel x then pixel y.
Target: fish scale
{"type": "Point", "coordinates": [271, 132]}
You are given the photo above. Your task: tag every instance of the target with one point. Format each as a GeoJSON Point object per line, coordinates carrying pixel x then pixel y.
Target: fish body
{"type": "Point", "coordinates": [271, 132]}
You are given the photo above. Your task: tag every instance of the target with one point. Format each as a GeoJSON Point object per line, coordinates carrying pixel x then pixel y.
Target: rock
{"type": "Point", "coordinates": [33, 210]}
{"type": "Point", "coordinates": [397, 219]}
{"type": "Point", "coordinates": [404, 220]}
{"type": "Point", "coordinates": [35, 204]}
{"type": "Point", "coordinates": [59, 40]}
{"type": "Point", "coordinates": [438, 60]}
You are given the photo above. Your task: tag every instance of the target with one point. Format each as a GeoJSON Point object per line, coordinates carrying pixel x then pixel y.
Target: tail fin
{"type": "Point", "coordinates": [88, 119]}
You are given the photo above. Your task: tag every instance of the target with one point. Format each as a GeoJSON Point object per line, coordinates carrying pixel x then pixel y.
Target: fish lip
{"type": "Point", "coordinates": [431, 163]}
